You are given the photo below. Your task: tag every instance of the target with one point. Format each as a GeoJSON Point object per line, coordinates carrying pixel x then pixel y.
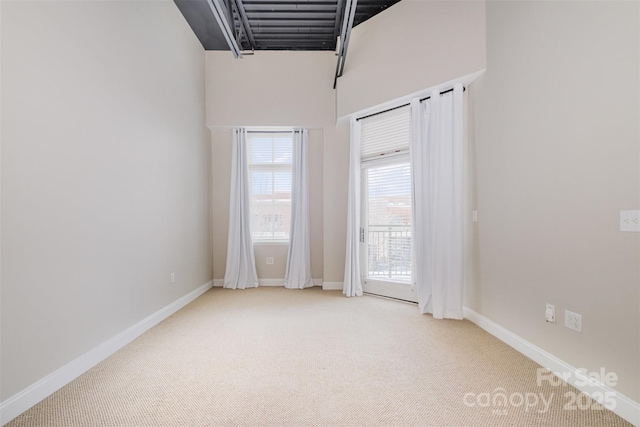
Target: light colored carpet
{"type": "Point", "coordinates": [278, 357]}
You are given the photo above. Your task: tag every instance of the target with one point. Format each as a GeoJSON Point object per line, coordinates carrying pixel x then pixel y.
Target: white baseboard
{"type": "Point", "coordinates": [625, 407]}
{"type": "Point", "coordinates": [219, 283]}
{"type": "Point", "coordinates": [20, 402]}
{"type": "Point", "coordinates": [271, 282]}
{"type": "Point", "coordinates": [280, 282]}
{"type": "Point", "coordinates": [332, 286]}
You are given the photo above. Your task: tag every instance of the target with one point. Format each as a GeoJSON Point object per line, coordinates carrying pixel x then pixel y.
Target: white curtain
{"type": "Point", "coordinates": [241, 264]}
{"type": "Point", "coordinates": [298, 273]}
{"type": "Point", "coordinates": [436, 166]}
{"type": "Point", "coordinates": [352, 282]}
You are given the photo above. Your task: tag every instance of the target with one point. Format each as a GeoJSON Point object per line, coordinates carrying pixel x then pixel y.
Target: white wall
{"type": "Point", "coordinates": [105, 175]}
{"type": "Point", "coordinates": [558, 151]}
{"type": "Point", "coordinates": [281, 89]}
{"type": "Point", "coordinates": [411, 46]}
{"type": "Point", "coordinates": [271, 88]}
{"type": "Point", "coordinates": [336, 189]}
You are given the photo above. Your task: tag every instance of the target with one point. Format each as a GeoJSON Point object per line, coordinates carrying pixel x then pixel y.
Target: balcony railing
{"type": "Point", "coordinates": [389, 250]}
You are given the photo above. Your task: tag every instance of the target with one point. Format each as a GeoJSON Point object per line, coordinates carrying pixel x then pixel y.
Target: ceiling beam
{"type": "Point", "coordinates": [300, 7]}
{"type": "Point", "coordinates": [256, 23]}
{"type": "Point", "coordinates": [245, 23]}
{"type": "Point", "coordinates": [292, 30]}
{"type": "Point", "coordinates": [345, 44]}
{"type": "Point", "coordinates": [221, 14]}
{"type": "Point", "coordinates": [347, 25]}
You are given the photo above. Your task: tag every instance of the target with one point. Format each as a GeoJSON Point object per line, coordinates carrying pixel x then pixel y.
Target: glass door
{"type": "Point", "coordinates": [386, 228]}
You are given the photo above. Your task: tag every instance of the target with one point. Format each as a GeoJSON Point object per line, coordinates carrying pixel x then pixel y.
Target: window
{"type": "Point", "coordinates": [386, 190]}
{"type": "Point", "coordinates": [269, 158]}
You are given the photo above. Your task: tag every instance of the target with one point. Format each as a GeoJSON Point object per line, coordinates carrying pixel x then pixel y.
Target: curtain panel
{"type": "Point", "coordinates": [352, 280]}
{"type": "Point", "coordinates": [298, 272]}
{"type": "Point", "coordinates": [240, 272]}
{"type": "Point", "coordinates": [436, 153]}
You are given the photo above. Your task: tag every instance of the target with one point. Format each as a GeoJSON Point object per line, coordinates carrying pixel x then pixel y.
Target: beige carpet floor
{"type": "Point", "coordinates": [278, 357]}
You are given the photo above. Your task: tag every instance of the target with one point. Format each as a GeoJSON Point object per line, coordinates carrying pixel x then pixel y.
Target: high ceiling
{"type": "Point", "coordinates": [276, 24]}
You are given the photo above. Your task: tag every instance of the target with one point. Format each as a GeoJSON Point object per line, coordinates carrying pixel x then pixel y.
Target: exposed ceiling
{"type": "Point", "coordinates": [276, 24]}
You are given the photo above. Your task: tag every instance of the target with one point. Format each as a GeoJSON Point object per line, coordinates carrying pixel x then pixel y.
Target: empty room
{"type": "Point", "coordinates": [319, 213]}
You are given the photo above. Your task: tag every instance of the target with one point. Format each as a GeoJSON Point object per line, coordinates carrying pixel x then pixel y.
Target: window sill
{"type": "Point", "coordinates": [270, 242]}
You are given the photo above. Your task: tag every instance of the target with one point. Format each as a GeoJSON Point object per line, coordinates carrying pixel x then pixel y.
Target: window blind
{"type": "Point", "coordinates": [385, 134]}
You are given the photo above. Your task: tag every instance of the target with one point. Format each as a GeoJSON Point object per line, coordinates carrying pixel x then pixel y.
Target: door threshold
{"type": "Point", "coordinates": [390, 298]}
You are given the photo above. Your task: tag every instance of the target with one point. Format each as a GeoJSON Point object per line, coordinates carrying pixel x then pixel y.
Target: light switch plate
{"type": "Point", "coordinates": [550, 313]}
{"type": "Point", "coordinates": [629, 220]}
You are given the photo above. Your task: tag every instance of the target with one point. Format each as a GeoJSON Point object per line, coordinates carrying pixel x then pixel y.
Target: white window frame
{"type": "Point", "coordinates": [268, 167]}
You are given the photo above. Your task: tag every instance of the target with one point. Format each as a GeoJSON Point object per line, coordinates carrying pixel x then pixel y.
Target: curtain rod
{"type": "Point", "coordinates": [404, 105]}
{"type": "Point", "coordinates": [276, 131]}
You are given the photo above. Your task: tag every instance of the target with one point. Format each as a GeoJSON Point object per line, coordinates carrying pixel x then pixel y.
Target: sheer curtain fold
{"type": "Point", "coordinates": [298, 271]}
{"type": "Point", "coordinates": [352, 280]}
{"type": "Point", "coordinates": [436, 165]}
{"type": "Point", "coordinates": [240, 272]}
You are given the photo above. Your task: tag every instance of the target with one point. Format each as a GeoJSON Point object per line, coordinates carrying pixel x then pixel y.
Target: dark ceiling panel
{"type": "Point", "coordinates": [201, 20]}
{"type": "Point", "coordinates": [277, 24]}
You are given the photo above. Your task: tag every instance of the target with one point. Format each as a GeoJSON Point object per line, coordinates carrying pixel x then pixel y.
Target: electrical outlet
{"type": "Point", "coordinates": [269, 260]}
{"type": "Point", "coordinates": [474, 216]}
{"type": "Point", "coordinates": [629, 220]}
{"type": "Point", "coordinates": [550, 313]}
{"type": "Point", "coordinates": [573, 320]}
{"type": "Point", "coordinates": [173, 278]}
